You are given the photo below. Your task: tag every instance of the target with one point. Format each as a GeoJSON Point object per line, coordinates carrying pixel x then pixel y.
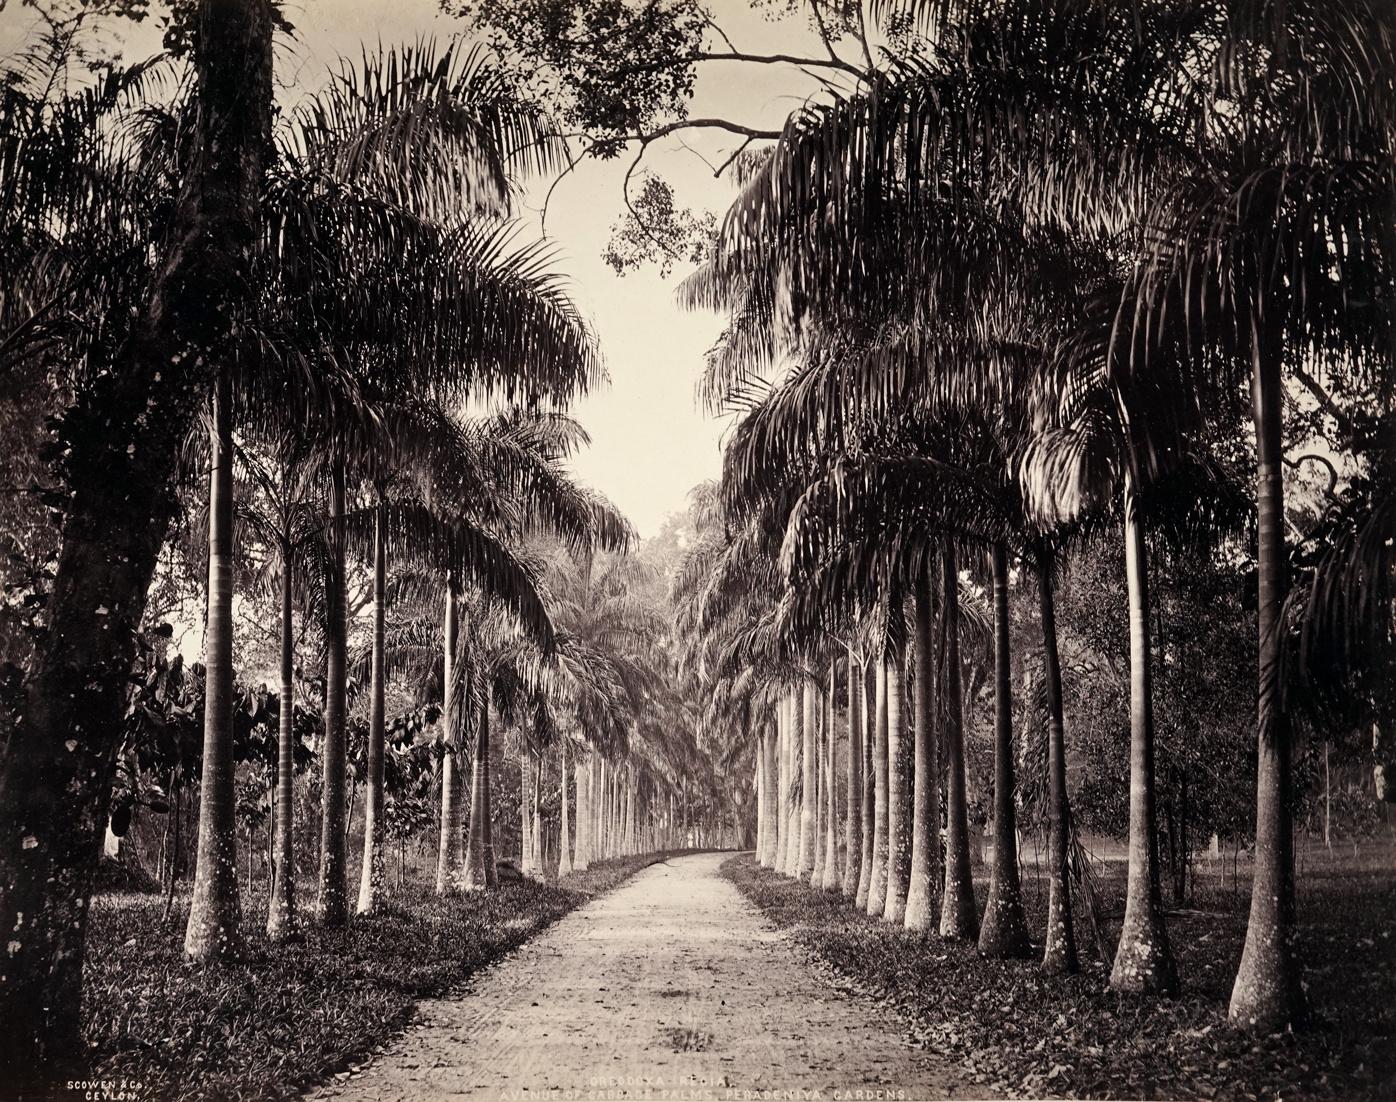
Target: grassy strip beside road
{"type": "Point", "coordinates": [287, 1016]}
{"type": "Point", "coordinates": [1020, 1032]}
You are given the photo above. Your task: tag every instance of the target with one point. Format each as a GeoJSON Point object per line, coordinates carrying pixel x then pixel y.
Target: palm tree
{"type": "Point", "coordinates": [126, 430]}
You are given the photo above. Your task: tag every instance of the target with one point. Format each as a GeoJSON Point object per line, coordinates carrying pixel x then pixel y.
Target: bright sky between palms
{"type": "Point", "coordinates": [650, 442]}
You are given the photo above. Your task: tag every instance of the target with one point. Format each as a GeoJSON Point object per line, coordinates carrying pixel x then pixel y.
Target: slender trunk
{"type": "Point", "coordinates": [816, 875]}
{"type": "Point", "coordinates": [1267, 996]}
{"type": "Point", "coordinates": [371, 874]}
{"type": "Point", "coordinates": [564, 857]}
{"type": "Point", "coordinates": [853, 812]}
{"type": "Point", "coordinates": [450, 876]}
{"type": "Point", "coordinates": [877, 885]}
{"type": "Point", "coordinates": [1005, 931]}
{"type": "Point", "coordinates": [583, 779]}
{"type": "Point", "coordinates": [771, 750]}
{"type": "Point", "coordinates": [809, 793]}
{"type": "Point", "coordinates": [281, 914]}
{"type": "Point", "coordinates": [959, 919]}
{"type": "Point", "coordinates": [925, 811]}
{"type": "Point", "coordinates": [1059, 952]}
{"type": "Point", "coordinates": [783, 712]}
{"type": "Point", "coordinates": [334, 895]}
{"type": "Point", "coordinates": [867, 719]}
{"type": "Point", "coordinates": [525, 813]}
{"type": "Point", "coordinates": [125, 435]}
{"type": "Point", "coordinates": [760, 783]}
{"type": "Point", "coordinates": [214, 912]}
{"type": "Point", "coordinates": [1143, 960]}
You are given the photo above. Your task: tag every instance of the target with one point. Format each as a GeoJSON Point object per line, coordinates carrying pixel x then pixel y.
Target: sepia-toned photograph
{"type": "Point", "coordinates": [697, 550]}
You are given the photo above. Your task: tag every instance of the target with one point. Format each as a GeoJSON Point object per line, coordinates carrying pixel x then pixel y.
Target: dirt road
{"type": "Point", "coordinates": [670, 987]}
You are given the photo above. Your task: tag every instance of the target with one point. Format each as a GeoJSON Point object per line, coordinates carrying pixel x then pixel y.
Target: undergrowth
{"type": "Point", "coordinates": [1016, 1031]}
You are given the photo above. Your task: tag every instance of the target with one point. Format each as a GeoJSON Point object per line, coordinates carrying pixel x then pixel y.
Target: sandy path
{"type": "Point", "coordinates": [670, 987]}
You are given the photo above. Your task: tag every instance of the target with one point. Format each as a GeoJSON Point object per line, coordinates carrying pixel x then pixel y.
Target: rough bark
{"type": "Point", "coordinates": [213, 930]}
{"type": "Point", "coordinates": [1059, 949]}
{"type": "Point", "coordinates": [1267, 996]}
{"type": "Point", "coordinates": [877, 884]}
{"type": "Point", "coordinates": [282, 920]}
{"type": "Point", "coordinates": [853, 812]}
{"type": "Point", "coordinates": [925, 803]}
{"type": "Point", "coordinates": [371, 872]}
{"type": "Point", "coordinates": [123, 439]}
{"type": "Point", "coordinates": [1143, 959]}
{"type": "Point", "coordinates": [832, 878]}
{"type": "Point", "coordinates": [959, 919]}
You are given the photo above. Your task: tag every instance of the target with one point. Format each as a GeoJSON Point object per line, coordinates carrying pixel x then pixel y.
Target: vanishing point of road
{"type": "Point", "coordinates": [672, 986]}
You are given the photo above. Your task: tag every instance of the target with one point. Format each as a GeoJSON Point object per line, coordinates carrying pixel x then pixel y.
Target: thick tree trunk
{"type": "Point", "coordinates": [816, 875]}
{"type": "Point", "coordinates": [1005, 931]}
{"type": "Point", "coordinates": [1143, 960]}
{"type": "Point", "coordinates": [334, 888]}
{"type": "Point", "coordinates": [959, 919]}
{"type": "Point", "coordinates": [1267, 996]}
{"type": "Point", "coordinates": [853, 812]}
{"type": "Point", "coordinates": [868, 720]}
{"type": "Point", "coordinates": [564, 856]}
{"type": "Point", "coordinates": [487, 800]}
{"type": "Point", "coordinates": [898, 851]}
{"type": "Point", "coordinates": [832, 878]}
{"type": "Point", "coordinates": [214, 930]}
{"type": "Point", "coordinates": [925, 810]}
{"type": "Point", "coordinates": [282, 922]}
{"type": "Point", "coordinates": [473, 876]}
{"type": "Point", "coordinates": [582, 860]}
{"type": "Point", "coordinates": [525, 813]}
{"type": "Point", "coordinates": [450, 861]}
{"type": "Point", "coordinates": [809, 790]}
{"type": "Point", "coordinates": [877, 885]}
{"type": "Point", "coordinates": [1059, 951]}
{"type": "Point", "coordinates": [771, 749]}
{"type": "Point", "coordinates": [123, 441]}
{"type": "Point", "coordinates": [371, 874]}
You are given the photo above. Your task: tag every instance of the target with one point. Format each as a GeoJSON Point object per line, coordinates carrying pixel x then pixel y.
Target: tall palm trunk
{"type": "Point", "coordinates": [771, 749]}
{"type": "Point", "coordinates": [473, 877]}
{"type": "Point", "coordinates": [371, 873]}
{"type": "Point", "coordinates": [925, 809]}
{"type": "Point", "coordinates": [1267, 995]}
{"type": "Point", "coordinates": [525, 813]}
{"type": "Point", "coordinates": [487, 759]}
{"type": "Point", "coordinates": [786, 790]}
{"type": "Point", "coordinates": [583, 781]}
{"type": "Point", "coordinates": [853, 812]}
{"type": "Point", "coordinates": [1143, 960]}
{"type": "Point", "coordinates": [898, 852]}
{"type": "Point", "coordinates": [816, 875]}
{"type": "Point", "coordinates": [1005, 931]}
{"type": "Point", "coordinates": [959, 919]}
{"type": "Point", "coordinates": [868, 719]}
{"type": "Point", "coordinates": [759, 781]}
{"type": "Point", "coordinates": [56, 772]}
{"type": "Point", "coordinates": [877, 885]}
{"type": "Point", "coordinates": [564, 857]}
{"type": "Point", "coordinates": [214, 919]}
{"type": "Point", "coordinates": [334, 865]}
{"type": "Point", "coordinates": [1059, 952]}
{"type": "Point", "coordinates": [281, 911]}
{"type": "Point", "coordinates": [809, 788]}
{"type": "Point", "coordinates": [832, 877]}
{"type": "Point", "coordinates": [449, 858]}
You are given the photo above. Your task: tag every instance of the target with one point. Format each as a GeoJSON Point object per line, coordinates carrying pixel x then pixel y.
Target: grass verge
{"type": "Point", "coordinates": [287, 1016]}
{"type": "Point", "coordinates": [1016, 1031]}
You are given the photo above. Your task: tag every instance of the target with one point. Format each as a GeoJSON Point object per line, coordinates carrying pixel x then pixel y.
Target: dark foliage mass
{"type": "Point", "coordinates": [287, 1016]}
{"type": "Point", "coordinates": [1016, 1030]}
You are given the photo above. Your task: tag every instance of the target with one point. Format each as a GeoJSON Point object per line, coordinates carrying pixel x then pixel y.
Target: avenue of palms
{"type": "Point", "coordinates": [1047, 570]}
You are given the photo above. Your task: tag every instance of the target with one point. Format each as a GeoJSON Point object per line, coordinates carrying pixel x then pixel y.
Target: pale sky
{"type": "Point", "coordinates": [650, 443]}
